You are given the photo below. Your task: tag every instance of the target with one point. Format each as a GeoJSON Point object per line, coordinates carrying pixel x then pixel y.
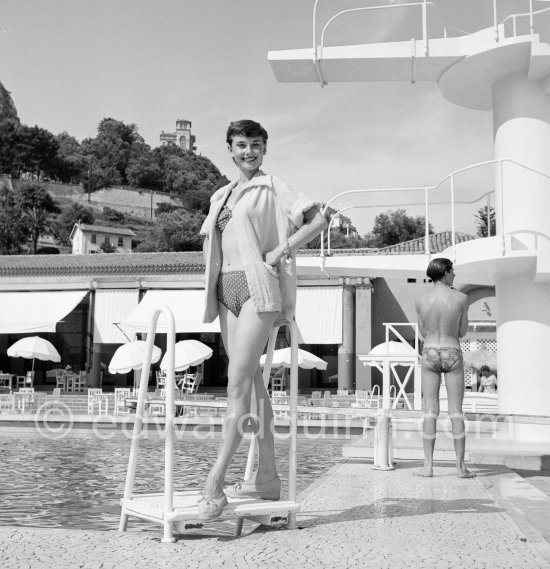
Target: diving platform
{"type": "Point", "coordinates": [465, 67]}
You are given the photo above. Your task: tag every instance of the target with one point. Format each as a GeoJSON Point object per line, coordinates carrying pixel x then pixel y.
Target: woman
{"type": "Point", "coordinates": [253, 226]}
{"type": "Point", "coordinates": [488, 382]}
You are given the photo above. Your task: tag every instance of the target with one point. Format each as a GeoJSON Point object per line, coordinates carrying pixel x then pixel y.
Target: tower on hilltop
{"type": "Point", "coordinates": [182, 137]}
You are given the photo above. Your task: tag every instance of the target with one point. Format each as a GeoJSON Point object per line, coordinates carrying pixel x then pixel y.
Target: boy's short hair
{"type": "Point", "coordinates": [246, 128]}
{"type": "Point", "coordinates": [438, 267]}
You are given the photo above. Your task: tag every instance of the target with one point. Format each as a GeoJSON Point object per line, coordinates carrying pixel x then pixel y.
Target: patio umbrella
{"type": "Point", "coordinates": [34, 347]}
{"type": "Point", "coordinates": [479, 358]}
{"type": "Point", "coordinates": [188, 353]}
{"type": "Point", "coordinates": [130, 357]}
{"type": "Point", "coordinates": [390, 348]}
{"type": "Point", "coordinates": [306, 360]}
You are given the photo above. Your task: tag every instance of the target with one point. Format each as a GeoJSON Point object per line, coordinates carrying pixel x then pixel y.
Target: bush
{"type": "Point", "coordinates": [113, 215]}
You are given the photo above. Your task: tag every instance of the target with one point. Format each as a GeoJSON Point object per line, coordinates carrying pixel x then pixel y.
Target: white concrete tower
{"type": "Point", "coordinates": [504, 68]}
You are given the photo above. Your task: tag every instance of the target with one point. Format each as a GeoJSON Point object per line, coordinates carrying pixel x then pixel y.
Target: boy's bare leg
{"type": "Point", "coordinates": [454, 380]}
{"type": "Point", "coordinates": [430, 390]}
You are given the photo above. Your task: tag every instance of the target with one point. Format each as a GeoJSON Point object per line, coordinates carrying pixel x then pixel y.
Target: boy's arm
{"type": "Point", "coordinates": [419, 318]}
{"type": "Point", "coordinates": [463, 327]}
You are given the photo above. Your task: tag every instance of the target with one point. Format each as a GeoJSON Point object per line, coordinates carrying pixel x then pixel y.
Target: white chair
{"type": "Point", "coordinates": [280, 398]}
{"type": "Point", "coordinates": [7, 403]}
{"type": "Point", "coordinates": [161, 379]}
{"type": "Point", "coordinates": [25, 399]}
{"type": "Point", "coordinates": [191, 382]}
{"type": "Point", "coordinates": [277, 379]}
{"type": "Point", "coordinates": [158, 405]}
{"type": "Point", "coordinates": [361, 399]}
{"type": "Point", "coordinates": [60, 382]}
{"type": "Point", "coordinates": [94, 400]}
{"type": "Point", "coordinates": [121, 394]}
{"type": "Point", "coordinates": [79, 382]}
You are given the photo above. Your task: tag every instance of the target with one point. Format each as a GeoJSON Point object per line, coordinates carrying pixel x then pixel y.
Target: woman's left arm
{"type": "Point", "coordinates": [314, 223]}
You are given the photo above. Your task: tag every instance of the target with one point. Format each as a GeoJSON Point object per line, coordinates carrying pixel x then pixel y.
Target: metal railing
{"type": "Point", "coordinates": [499, 163]}
{"type": "Point", "coordinates": [422, 5]}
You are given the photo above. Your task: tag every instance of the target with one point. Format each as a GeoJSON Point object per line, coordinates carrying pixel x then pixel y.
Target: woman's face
{"type": "Point", "coordinates": [248, 153]}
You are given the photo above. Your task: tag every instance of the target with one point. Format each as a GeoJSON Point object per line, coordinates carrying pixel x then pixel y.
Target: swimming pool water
{"type": "Point", "coordinates": [78, 482]}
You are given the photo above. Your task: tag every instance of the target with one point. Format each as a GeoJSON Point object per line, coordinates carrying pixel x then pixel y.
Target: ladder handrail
{"type": "Point", "coordinates": [169, 421]}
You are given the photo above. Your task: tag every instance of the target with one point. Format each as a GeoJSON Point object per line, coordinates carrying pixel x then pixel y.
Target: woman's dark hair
{"type": "Point", "coordinates": [246, 128]}
{"type": "Point", "coordinates": [484, 368]}
{"type": "Point", "coordinates": [438, 267]}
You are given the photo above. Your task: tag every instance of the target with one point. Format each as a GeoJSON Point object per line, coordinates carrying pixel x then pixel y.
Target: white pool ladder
{"type": "Point", "coordinates": [171, 509]}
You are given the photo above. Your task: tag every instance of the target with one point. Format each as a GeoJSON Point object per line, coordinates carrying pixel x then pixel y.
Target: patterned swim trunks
{"type": "Point", "coordinates": [440, 359]}
{"type": "Point", "coordinates": [233, 290]}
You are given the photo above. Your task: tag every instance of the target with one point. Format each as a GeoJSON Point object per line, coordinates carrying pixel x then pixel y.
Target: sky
{"type": "Point", "coordinates": [70, 63]}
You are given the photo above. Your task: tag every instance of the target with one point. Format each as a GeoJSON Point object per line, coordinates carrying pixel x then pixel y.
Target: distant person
{"type": "Point", "coordinates": [488, 382]}
{"type": "Point", "coordinates": [254, 225]}
{"type": "Point", "coordinates": [443, 319]}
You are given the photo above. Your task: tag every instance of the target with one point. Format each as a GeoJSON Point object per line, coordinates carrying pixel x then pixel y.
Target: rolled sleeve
{"type": "Point", "coordinates": [294, 202]}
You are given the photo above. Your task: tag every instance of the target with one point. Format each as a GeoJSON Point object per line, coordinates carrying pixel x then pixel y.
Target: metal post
{"type": "Point", "coordinates": [267, 369]}
{"type": "Point", "coordinates": [531, 22]}
{"type": "Point", "coordinates": [426, 224]}
{"type": "Point", "coordinates": [488, 216]}
{"type": "Point", "coordinates": [292, 453]}
{"type": "Point", "coordinates": [425, 28]}
{"type": "Point", "coordinates": [453, 235]}
{"type": "Point", "coordinates": [495, 20]}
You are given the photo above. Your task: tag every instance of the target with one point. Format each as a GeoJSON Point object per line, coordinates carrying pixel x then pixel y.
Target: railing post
{"type": "Point", "coordinates": [425, 28]}
{"type": "Point", "coordinates": [453, 236]}
{"type": "Point", "coordinates": [503, 240]}
{"type": "Point", "coordinates": [426, 224]}
{"type": "Point", "coordinates": [531, 21]}
{"type": "Point", "coordinates": [495, 20]}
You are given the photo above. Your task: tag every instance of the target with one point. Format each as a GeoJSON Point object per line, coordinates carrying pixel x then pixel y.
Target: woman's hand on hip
{"type": "Point", "coordinates": [273, 257]}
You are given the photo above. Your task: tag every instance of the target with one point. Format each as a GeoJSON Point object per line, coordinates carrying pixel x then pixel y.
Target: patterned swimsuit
{"type": "Point", "coordinates": [440, 359]}
{"type": "Point", "coordinates": [232, 288]}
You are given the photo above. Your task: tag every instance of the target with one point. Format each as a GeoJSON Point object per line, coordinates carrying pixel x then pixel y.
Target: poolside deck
{"type": "Point", "coordinates": [352, 517]}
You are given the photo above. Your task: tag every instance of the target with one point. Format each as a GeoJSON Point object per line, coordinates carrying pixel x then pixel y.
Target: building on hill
{"type": "Point", "coordinates": [88, 239]}
{"type": "Point", "coordinates": [182, 137]}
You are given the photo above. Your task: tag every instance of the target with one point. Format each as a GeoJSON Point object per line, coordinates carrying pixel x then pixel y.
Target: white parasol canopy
{"type": "Point", "coordinates": [306, 360]}
{"type": "Point", "coordinates": [188, 353]}
{"type": "Point", "coordinates": [389, 349]}
{"type": "Point", "coordinates": [34, 347]}
{"type": "Point", "coordinates": [130, 357]}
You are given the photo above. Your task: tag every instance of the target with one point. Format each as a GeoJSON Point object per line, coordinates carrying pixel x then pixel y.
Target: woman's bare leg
{"type": "Point", "coordinates": [245, 338]}
{"type": "Point", "coordinates": [430, 389]}
{"type": "Point", "coordinates": [267, 468]}
{"type": "Point", "coordinates": [454, 380]}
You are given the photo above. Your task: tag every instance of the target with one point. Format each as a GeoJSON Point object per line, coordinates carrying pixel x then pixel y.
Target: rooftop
{"type": "Point", "coordinates": [106, 229]}
{"type": "Point", "coordinates": [180, 262]}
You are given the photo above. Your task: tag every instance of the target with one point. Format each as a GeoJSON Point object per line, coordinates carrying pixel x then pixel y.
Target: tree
{"type": "Point", "coordinates": [481, 221]}
{"type": "Point", "coordinates": [36, 206]}
{"type": "Point", "coordinates": [339, 240]}
{"type": "Point", "coordinates": [112, 149]}
{"type": "Point", "coordinates": [175, 231]}
{"type": "Point", "coordinates": [71, 161]}
{"type": "Point", "coordinates": [13, 233]}
{"type": "Point", "coordinates": [35, 152]}
{"type": "Point", "coordinates": [73, 214]}
{"type": "Point", "coordinates": [395, 226]}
